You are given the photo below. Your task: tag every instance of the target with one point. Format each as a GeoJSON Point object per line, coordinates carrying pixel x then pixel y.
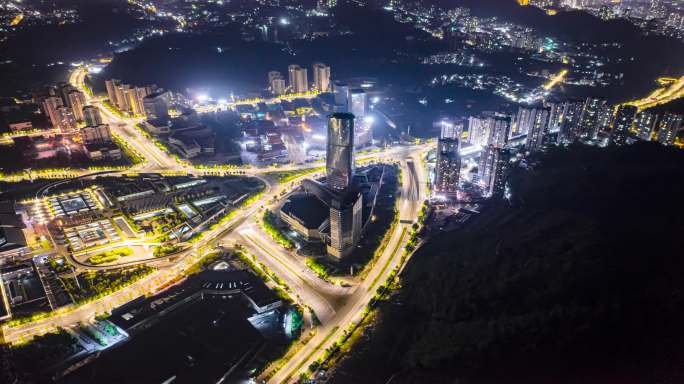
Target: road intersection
{"type": "Point", "coordinates": [335, 306]}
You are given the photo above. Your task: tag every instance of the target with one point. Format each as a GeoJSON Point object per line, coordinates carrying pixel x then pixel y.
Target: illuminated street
{"type": "Point", "coordinates": [341, 191]}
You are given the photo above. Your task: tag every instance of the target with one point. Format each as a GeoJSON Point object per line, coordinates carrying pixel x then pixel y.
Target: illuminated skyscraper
{"type": "Point", "coordinates": [668, 127]}
{"type": "Point", "coordinates": [340, 194]}
{"type": "Point", "coordinates": [624, 119]}
{"type": "Point", "coordinates": [447, 168]}
{"type": "Point", "coordinates": [321, 77]}
{"type": "Point", "coordinates": [298, 79]}
{"type": "Point", "coordinates": [345, 224]}
{"type": "Point", "coordinates": [340, 151]}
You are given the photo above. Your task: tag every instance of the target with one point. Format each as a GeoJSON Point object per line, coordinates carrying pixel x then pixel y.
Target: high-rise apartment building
{"type": "Point", "coordinates": [278, 86]}
{"type": "Point", "coordinates": [136, 96]}
{"type": "Point", "coordinates": [448, 167]}
{"type": "Point", "coordinates": [535, 135]}
{"type": "Point", "coordinates": [645, 124]}
{"type": "Point", "coordinates": [50, 106]}
{"type": "Point", "coordinates": [63, 91]}
{"type": "Point", "coordinates": [555, 116]}
{"type": "Point", "coordinates": [65, 119]}
{"type": "Point", "coordinates": [97, 134]}
{"type": "Point", "coordinates": [77, 101]}
{"type": "Point", "coordinates": [478, 131]}
{"type": "Point", "coordinates": [605, 118]}
{"type": "Point", "coordinates": [156, 105]}
{"type": "Point", "coordinates": [122, 97]}
{"type": "Point", "coordinates": [451, 130]}
{"type": "Point", "coordinates": [112, 95]}
{"type": "Point", "coordinates": [276, 83]}
{"type": "Point", "coordinates": [668, 126]}
{"type": "Point", "coordinates": [493, 168]}
{"type": "Point", "coordinates": [523, 121]}
{"type": "Point", "coordinates": [325, 5]}
{"type": "Point", "coordinates": [321, 77]}
{"type": "Point", "coordinates": [570, 122]}
{"type": "Point", "coordinates": [486, 168]}
{"type": "Point", "coordinates": [126, 97]}
{"type": "Point", "coordinates": [588, 123]}
{"type": "Point", "coordinates": [502, 165]}
{"type": "Point", "coordinates": [298, 79]}
{"type": "Point", "coordinates": [484, 131]}
{"type": "Point", "coordinates": [499, 131]}
{"type": "Point", "coordinates": [624, 119]}
{"type": "Point", "coordinates": [91, 116]}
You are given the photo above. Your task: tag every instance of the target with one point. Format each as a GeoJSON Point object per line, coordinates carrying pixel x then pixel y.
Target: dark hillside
{"type": "Point", "coordinates": [579, 281]}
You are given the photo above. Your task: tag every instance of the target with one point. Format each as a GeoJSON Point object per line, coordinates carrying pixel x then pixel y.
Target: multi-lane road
{"type": "Point", "coordinates": [155, 158]}
{"type": "Point", "coordinates": [335, 306]}
{"type": "Point", "coordinates": [672, 89]}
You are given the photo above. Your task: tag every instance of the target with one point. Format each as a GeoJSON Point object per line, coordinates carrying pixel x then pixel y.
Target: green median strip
{"type": "Point", "coordinates": [389, 259]}
{"type": "Point", "coordinates": [276, 258]}
{"type": "Point", "coordinates": [316, 349]}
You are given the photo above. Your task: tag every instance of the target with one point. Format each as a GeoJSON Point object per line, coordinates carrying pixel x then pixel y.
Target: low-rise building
{"type": "Point", "coordinates": [103, 151]}
{"type": "Point", "coordinates": [20, 126]}
{"type": "Point", "coordinates": [306, 215]}
{"type": "Point", "coordinates": [194, 141]}
{"type": "Point", "coordinates": [12, 238]}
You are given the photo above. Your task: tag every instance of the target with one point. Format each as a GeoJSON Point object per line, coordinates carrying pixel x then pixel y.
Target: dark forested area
{"type": "Point", "coordinates": [577, 280]}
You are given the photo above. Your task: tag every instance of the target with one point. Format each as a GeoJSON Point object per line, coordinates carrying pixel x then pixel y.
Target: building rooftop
{"type": "Point", "coordinates": [250, 285]}
{"type": "Point", "coordinates": [310, 211]}
{"type": "Point", "coordinates": [11, 220]}
{"type": "Point", "coordinates": [8, 207]}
